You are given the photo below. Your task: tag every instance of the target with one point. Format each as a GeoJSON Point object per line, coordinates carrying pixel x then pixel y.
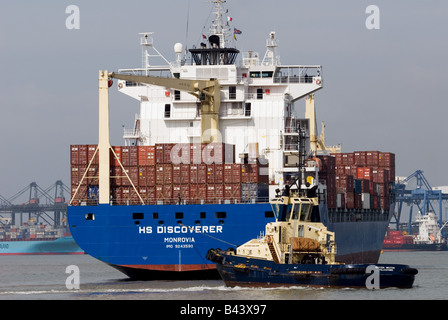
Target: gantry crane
{"type": "Point", "coordinates": [422, 196]}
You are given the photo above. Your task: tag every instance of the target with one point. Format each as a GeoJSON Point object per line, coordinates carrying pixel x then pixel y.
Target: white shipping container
{"type": "Point", "coordinates": [365, 200]}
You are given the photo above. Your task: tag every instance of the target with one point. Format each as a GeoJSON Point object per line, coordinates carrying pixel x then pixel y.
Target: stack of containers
{"type": "Point", "coordinates": [361, 179]}
{"type": "Point", "coordinates": [169, 174]}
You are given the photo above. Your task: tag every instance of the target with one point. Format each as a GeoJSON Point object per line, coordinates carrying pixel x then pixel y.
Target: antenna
{"type": "Point", "coordinates": [147, 42]}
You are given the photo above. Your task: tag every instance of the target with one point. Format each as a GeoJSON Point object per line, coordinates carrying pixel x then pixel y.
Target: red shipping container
{"type": "Point", "coordinates": [167, 153]}
{"type": "Point", "coordinates": [151, 175]}
{"type": "Point", "coordinates": [340, 170]}
{"type": "Point", "coordinates": [132, 175]}
{"type": "Point", "coordinates": [372, 158]}
{"type": "Point", "coordinates": [74, 152]}
{"type": "Point", "coordinates": [90, 152]}
{"type": "Point", "coordinates": [380, 175]}
{"type": "Point", "coordinates": [202, 173]}
{"type": "Point", "coordinates": [210, 173]}
{"type": "Point", "coordinates": [211, 193]}
{"type": "Point", "coordinates": [232, 192]}
{"type": "Point", "coordinates": [344, 184]}
{"type": "Point", "coordinates": [228, 173]}
{"type": "Point", "coordinates": [196, 153]}
{"type": "Point", "coordinates": [146, 155]}
{"type": "Point", "coordinates": [74, 175]}
{"type": "Point", "coordinates": [159, 153]}
{"type": "Point", "coordinates": [386, 159]}
{"type": "Point", "coordinates": [92, 175]}
{"type": "Point", "coordinates": [364, 173]}
{"type": "Point", "coordinates": [198, 192]}
{"type": "Point", "coordinates": [115, 176]}
{"type": "Point", "coordinates": [147, 194]}
{"type": "Point", "coordinates": [236, 173]}
{"type": "Point", "coordinates": [184, 173]}
{"type": "Point", "coordinates": [125, 156]}
{"type": "Point", "coordinates": [164, 174]}
{"type": "Point", "coordinates": [194, 173]}
{"type": "Point", "coordinates": [350, 200]}
{"type": "Point", "coordinates": [360, 158]}
{"type": "Point", "coordinates": [365, 186]}
{"type": "Point", "coordinates": [219, 173]}
{"type": "Point", "coordinates": [338, 159]}
{"type": "Point", "coordinates": [358, 201]}
{"type": "Point", "coordinates": [348, 159]}
{"type": "Point", "coordinates": [219, 192]}
{"type": "Point", "coordinates": [82, 155]}
{"type": "Point", "coordinates": [164, 193]}
{"type": "Point", "coordinates": [176, 174]}
{"type": "Point", "coordinates": [113, 159]}
{"type": "Point", "coordinates": [182, 192]}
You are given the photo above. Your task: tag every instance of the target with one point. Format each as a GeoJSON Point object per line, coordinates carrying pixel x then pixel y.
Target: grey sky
{"type": "Point", "coordinates": [383, 89]}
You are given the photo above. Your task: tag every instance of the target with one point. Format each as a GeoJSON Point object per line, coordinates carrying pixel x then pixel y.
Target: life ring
{"type": "Point", "coordinates": [75, 203]}
{"type": "Point", "coordinates": [318, 82]}
{"type": "Point", "coordinates": [269, 238]}
{"type": "Point", "coordinates": [120, 85]}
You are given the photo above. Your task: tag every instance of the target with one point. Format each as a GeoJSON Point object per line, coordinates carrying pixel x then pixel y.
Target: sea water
{"type": "Point", "coordinates": [49, 278]}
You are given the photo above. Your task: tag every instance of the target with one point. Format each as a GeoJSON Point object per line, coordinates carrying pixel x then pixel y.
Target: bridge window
{"type": "Point", "coordinates": [232, 93]}
{"type": "Point", "coordinates": [167, 111]}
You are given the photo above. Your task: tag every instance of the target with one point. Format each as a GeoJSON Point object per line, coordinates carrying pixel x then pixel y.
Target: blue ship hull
{"type": "Point", "coordinates": [65, 245]}
{"type": "Point", "coordinates": [171, 241]}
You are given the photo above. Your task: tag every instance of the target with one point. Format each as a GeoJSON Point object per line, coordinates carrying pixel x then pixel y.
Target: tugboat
{"type": "Point", "coordinates": [298, 250]}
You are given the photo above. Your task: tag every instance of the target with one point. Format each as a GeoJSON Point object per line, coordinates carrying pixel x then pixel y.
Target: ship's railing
{"type": "Point", "coordinates": [173, 201]}
{"type": "Point", "coordinates": [354, 215]}
{"type": "Point", "coordinates": [298, 74]}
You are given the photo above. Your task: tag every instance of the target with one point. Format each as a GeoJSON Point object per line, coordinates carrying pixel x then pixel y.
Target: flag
{"type": "Point", "coordinates": [229, 19]}
{"type": "Point", "coordinates": [204, 37]}
{"type": "Point", "coordinates": [236, 31]}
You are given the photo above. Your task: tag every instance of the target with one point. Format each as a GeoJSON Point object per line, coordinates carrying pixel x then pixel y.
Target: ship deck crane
{"type": "Point", "coordinates": [207, 91]}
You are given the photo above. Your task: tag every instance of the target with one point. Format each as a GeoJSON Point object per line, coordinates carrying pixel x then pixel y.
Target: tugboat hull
{"type": "Point", "coordinates": [248, 272]}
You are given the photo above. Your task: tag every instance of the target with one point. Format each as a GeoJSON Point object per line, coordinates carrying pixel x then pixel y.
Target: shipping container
{"type": "Point", "coordinates": [254, 192]}
{"type": "Point", "coordinates": [146, 155]}
{"type": "Point", "coordinates": [91, 152]}
{"type": "Point", "coordinates": [360, 158]}
{"type": "Point", "coordinates": [198, 193]}
{"type": "Point", "coordinates": [232, 192]}
{"type": "Point", "coordinates": [372, 158]}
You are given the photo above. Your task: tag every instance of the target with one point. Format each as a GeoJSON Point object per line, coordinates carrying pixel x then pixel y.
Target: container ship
{"type": "Point", "coordinates": [215, 139]}
{"type": "Point", "coordinates": [428, 238]}
{"type": "Point", "coordinates": [31, 238]}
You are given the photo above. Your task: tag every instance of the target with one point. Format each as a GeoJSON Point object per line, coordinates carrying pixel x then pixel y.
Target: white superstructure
{"type": "Point", "coordinates": [258, 112]}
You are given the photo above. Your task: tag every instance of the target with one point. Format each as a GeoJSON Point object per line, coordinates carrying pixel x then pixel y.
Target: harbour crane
{"type": "Point", "coordinates": [423, 196]}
